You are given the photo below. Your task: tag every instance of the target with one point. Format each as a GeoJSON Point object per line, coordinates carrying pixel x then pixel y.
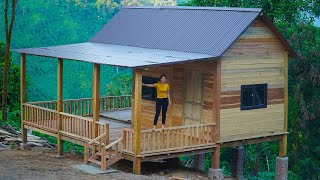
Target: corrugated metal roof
{"type": "Point", "coordinates": [125, 56]}
{"type": "Point", "coordinates": [205, 30]}
{"type": "Point", "coordinates": [146, 36]}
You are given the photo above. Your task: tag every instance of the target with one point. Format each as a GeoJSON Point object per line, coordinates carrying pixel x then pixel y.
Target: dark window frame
{"type": "Point", "coordinates": [152, 92]}
{"type": "Point", "coordinates": [254, 88]}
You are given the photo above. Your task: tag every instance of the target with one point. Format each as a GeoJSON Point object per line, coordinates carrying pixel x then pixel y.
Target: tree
{"type": "Point", "coordinates": [8, 33]}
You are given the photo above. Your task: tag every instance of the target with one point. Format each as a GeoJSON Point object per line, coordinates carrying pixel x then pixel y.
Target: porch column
{"type": "Point", "coordinates": [59, 105]}
{"type": "Point", "coordinates": [23, 96]}
{"type": "Point", "coordinates": [137, 120]}
{"type": "Point", "coordinates": [95, 99]}
{"type": "Point", "coordinates": [282, 160]}
{"type": "Point", "coordinates": [215, 172]}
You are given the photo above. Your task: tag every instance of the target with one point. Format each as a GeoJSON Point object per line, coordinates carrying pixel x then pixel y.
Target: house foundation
{"type": "Point", "coordinates": [237, 162]}
{"type": "Point", "coordinates": [282, 168]}
{"type": "Point", "coordinates": [215, 174]}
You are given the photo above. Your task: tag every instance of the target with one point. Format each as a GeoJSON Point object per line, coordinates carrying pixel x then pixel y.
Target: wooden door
{"type": "Point", "coordinates": [192, 111]}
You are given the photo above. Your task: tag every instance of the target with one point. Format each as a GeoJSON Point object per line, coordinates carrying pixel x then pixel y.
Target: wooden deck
{"type": "Point", "coordinates": [115, 128]}
{"type": "Point", "coordinates": [120, 115]}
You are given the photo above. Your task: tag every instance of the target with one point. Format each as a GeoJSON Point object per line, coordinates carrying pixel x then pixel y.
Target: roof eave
{"type": "Point", "coordinates": [284, 42]}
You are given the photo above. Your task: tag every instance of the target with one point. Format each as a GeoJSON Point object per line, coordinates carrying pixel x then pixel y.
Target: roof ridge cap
{"type": "Point", "coordinates": [196, 8]}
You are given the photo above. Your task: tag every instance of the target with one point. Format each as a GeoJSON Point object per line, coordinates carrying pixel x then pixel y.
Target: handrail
{"type": "Point", "coordinates": [113, 143]}
{"type": "Point", "coordinates": [75, 116]}
{"type": "Point", "coordinates": [38, 107]}
{"type": "Point", "coordinates": [97, 138]}
{"type": "Point", "coordinates": [176, 127]}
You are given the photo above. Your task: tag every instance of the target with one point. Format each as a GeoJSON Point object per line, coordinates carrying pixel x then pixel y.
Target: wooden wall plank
{"type": "Point", "coordinates": [257, 57]}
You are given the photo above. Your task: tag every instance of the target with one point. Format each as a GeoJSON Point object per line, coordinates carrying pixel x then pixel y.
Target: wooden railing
{"type": "Point", "coordinates": [112, 152]}
{"type": "Point", "coordinates": [127, 140]}
{"type": "Point", "coordinates": [40, 117]}
{"type": "Point", "coordinates": [81, 126]}
{"type": "Point", "coordinates": [83, 106]}
{"type": "Point", "coordinates": [115, 102]}
{"type": "Point", "coordinates": [95, 145]}
{"type": "Point", "coordinates": [45, 104]}
{"type": "Point", "coordinates": [179, 138]}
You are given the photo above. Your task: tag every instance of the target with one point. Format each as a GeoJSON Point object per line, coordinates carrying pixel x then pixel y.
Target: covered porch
{"type": "Point", "coordinates": [110, 128]}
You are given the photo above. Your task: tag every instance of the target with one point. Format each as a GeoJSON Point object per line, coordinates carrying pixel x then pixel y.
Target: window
{"type": "Point", "coordinates": [253, 96]}
{"type": "Point", "coordinates": [149, 93]}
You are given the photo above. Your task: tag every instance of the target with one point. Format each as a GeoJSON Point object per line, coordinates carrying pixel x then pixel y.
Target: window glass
{"type": "Point", "coordinates": [149, 93]}
{"type": "Point", "coordinates": [253, 96]}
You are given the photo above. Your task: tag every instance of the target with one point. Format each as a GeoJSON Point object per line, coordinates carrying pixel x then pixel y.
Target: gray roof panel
{"type": "Point", "coordinates": [188, 29]}
{"type": "Point", "coordinates": [116, 55]}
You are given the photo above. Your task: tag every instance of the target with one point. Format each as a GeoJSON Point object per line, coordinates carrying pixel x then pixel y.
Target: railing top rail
{"type": "Point", "coordinates": [101, 123]}
{"type": "Point", "coordinates": [75, 116]}
{"type": "Point", "coordinates": [38, 107]}
{"type": "Point", "coordinates": [177, 127]}
{"type": "Point", "coordinates": [113, 143]}
{"type": "Point", "coordinates": [97, 138]}
{"type": "Point", "coordinates": [39, 102]}
{"type": "Point", "coordinates": [128, 129]}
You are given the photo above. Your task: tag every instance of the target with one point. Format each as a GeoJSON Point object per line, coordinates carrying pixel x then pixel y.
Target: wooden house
{"type": "Point", "coordinates": [227, 69]}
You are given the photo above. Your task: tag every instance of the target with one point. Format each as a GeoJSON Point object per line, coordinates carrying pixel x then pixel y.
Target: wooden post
{"type": "Point", "coordinates": [132, 98]}
{"type": "Point", "coordinates": [95, 99]}
{"type": "Point", "coordinates": [215, 163]}
{"type": "Point", "coordinates": [23, 94]}
{"type": "Point", "coordinates": [59, 105]}
{"type": "Point", "coordinates": [137, 121]}
{"type": "Point", "coordinates": [283, 142]}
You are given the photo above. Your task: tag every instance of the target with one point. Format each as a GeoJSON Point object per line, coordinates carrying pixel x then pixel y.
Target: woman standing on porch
{"type": "Point", "coordinates": [163, 99]}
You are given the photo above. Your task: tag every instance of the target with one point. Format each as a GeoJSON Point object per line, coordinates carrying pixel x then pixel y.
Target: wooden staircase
{"type": "Point", "coordinates": [99, 152]}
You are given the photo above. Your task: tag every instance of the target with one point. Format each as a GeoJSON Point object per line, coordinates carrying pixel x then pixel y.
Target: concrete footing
{"type": "Point", "coordinates": [282, 168]}
{"type": "Point", "coordinates": [25, 146]}
{"type": "Point", "coordinates": [237, 162]}
{"type": "Point", "coordinates": [199, 162]}
{"type": "Point", "coordinates": [215, 174]}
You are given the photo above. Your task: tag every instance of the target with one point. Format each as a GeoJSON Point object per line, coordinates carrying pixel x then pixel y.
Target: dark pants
{"type": "Point", "coordinates": [161, 103]}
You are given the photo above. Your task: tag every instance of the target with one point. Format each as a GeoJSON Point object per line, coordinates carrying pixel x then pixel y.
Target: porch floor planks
{"type": "Point", "coordinates": [120, 115]}
{"type": "Point", "coordinates": [115, 128]}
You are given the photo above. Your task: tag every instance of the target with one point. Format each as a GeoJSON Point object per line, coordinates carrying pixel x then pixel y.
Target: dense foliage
{"type": "Point", "coordinates": [13, 89]}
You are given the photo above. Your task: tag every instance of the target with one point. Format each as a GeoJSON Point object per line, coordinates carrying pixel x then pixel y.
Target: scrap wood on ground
{"type": "Point", "coordinates": [8, 140]}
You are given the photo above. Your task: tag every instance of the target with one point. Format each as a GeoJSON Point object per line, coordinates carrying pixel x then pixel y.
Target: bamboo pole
{"type": "Point", "coordinates": [137, 119]}
{"type": "Point", "coordinates": [59, 104]}
{"type": "Point", "coordinates": [23, 94]}
{"type": "Point", "coordinates": [283, 142]}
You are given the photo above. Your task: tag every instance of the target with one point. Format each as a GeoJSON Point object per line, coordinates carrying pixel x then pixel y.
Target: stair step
{"type": "Point", "coordinates": [94, 161]}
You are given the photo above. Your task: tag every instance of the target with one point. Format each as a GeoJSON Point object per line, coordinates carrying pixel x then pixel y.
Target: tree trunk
{"type": "Point", "coordinates": [5, 82]}
{"type": "Point", "coordinates": [8, 32]}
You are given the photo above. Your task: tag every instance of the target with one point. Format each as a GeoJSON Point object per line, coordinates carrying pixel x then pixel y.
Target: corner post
{"type": "Point", "coordinates": [215, 172]}
{"type": "Point", "coordinates": [137, 121]}
{"type": "Point", "coordinates": [23, 95]}
{"type": "Point", "coordinates": [95, 99]}
{"type": "Point", "coordinates": [282, 160]}
{"type": "Point", "coordinates": [59, 104]}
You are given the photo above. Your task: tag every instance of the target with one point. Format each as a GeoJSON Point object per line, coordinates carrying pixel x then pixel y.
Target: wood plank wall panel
{"type": "Point", "coordinates": [256, 57]}
{"type": "Point", "coordinates": [175, 74]}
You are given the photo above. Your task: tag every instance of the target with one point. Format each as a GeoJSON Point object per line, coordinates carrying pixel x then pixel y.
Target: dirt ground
{"type": "Point", "coordinates": [42, 163]}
